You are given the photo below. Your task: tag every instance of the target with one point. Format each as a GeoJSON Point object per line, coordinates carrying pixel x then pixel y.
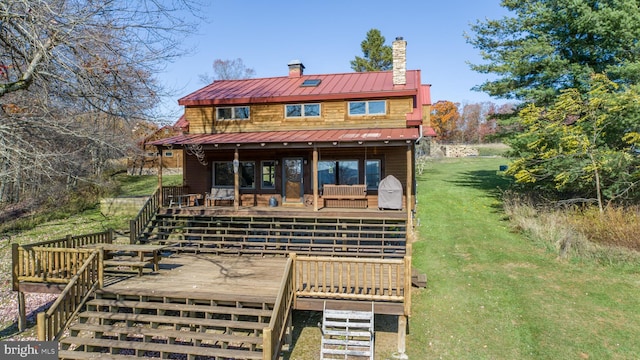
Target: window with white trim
{"type": "Point", "coordinates": [232, 113]}
{"type": "Point", "coordinates": [302, 110]}
{"type": "Point", "coordinates": [374, 107]}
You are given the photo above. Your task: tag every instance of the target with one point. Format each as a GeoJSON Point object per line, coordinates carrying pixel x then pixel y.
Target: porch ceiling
{"type": "Point", "coordinates": [298, 138]}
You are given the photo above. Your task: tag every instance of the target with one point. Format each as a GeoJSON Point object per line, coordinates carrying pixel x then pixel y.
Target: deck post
{"type": "Point", "coordinates": [402, 337]}
{"type": "Point", "coordinates": [15, 264]}
{"type": "Point", "coordinates": [22, 317]}
{"type": "Point", "coordinates": [267, 351]}
{"type": "Point", "coordinates": [41, 324]}
{"type": "Point", "coordinates": [315, 178]}
{"type": "Point", "coordinates": [294, 274]}
{"type": "Point", "coordinates": [100, 268]}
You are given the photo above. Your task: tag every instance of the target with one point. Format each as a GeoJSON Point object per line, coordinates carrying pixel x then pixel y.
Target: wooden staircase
{"type": "Point", "coordinates": [347, 334]}
{"type": "Point", "coordinates": [280, 235]}
{"type": "Point", "coordinates": [126, 325]}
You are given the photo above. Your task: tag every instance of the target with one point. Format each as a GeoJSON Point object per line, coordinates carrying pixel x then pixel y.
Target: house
{"type": "Point", "coordinates": [288, 139]}
{"type": "Point", "coordinates": [301, 162]}
{"type": "Point", "coordinates": [146, 161]}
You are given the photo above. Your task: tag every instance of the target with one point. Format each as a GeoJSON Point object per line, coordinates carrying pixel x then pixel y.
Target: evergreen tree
{"type": "Point", "coordinates": [377, 55]}
{"type": "Point", "coordinates": [550, 45]}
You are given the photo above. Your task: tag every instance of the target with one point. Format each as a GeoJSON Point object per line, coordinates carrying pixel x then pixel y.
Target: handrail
{"type": "Point", "coordinates": [52, 323]}
{"type": "Point", "coordinates": [71, 241]}
{"type": "Point", "coordinates": [144, 216]}
{"type": "Point", "coordinates": [273, 335]}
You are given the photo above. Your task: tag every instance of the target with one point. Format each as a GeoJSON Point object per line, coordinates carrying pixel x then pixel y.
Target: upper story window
{"type": "Point", "coordinates": [233, 113]}
{"type": "Point", "coordinates": [377, 107]}
{"type": "Point", "coordinates": [302, 110]}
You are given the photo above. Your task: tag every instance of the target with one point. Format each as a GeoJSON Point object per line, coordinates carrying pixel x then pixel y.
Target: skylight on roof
{"type": "Point", "coordinates": [311, 83]}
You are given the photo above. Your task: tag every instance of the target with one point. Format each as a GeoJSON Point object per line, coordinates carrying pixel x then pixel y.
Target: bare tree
{"type": "Point", "coordinates": [73, 73]}
{"type": "Point", "coordinates": [228, 70]}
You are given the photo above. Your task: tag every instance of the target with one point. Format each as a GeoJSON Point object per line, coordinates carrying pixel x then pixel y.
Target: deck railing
{"type": "Point", "coordinates": [90, 276]}
{"type": "Point", "coordinates": [274, 334]}
{"type": "Point", "coordinates": [354, 278]}
{"type": "Point", "coordinates": [52, 261]}
{"type": "Point", "coordinates": [138, 225]}
{"type": "Point", "coordinates": [169, 192]}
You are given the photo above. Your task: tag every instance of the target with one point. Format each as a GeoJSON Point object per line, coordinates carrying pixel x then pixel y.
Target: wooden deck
{"type": "Point", "coordinates": [236, 278]}
{"type": "Point", "coordinates": [287, 210]}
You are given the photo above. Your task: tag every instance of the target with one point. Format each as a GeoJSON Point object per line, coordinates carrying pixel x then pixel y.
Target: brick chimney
{"type": "Point", "coordinates": [295, 68]}
{"type": "Point", "coordinates": [399, 48]}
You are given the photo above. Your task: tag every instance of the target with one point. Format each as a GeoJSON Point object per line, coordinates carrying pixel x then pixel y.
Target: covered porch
{"type": "Point", "coordinates": [312, 170]}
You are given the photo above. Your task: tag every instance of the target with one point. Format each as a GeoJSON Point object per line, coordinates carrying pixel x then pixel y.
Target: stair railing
{"type": "Point", "coordinates": [138, 225]}
{"type": "Point", "coordinates": [274, 334]}
{"type": "Point", "coordinates": [52, 323]}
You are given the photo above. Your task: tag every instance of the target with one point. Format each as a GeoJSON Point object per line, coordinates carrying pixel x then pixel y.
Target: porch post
{"type": "Point", "coordinates": [160, 197]}
{"type": "Point", "coordinates": [314, 181]}
{"type": "Point", "coordinates": [236, 181]}
{"type": "Point", "coordinates": [409, 185]}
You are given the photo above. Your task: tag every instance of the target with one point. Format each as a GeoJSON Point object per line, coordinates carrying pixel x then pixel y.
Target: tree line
{"type": "Point", "coordinates": [75, 79]}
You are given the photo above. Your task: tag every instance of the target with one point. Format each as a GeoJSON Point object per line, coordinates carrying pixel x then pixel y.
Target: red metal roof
{"type": "Point", "coordinates": [182, 123]}
{"type": "Point", "coordinates": [287, 89]}
{"type": "Point", "coordinates": [295, 136]}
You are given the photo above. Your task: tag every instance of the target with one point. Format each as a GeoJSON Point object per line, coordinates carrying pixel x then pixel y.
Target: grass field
{"type": "Point", "coordinates": [493, 294]}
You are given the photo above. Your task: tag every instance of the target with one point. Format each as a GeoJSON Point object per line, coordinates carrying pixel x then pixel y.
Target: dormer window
{"type": "Point", "coordinates": [301, 110]}
{"type": "Point", "coordinates": [232, 113]}
{"type": "Point", "coordinates": [377, 107]}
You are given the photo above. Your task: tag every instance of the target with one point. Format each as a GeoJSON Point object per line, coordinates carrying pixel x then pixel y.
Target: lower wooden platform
{"type": "Point", "coordinates": [189, 276]}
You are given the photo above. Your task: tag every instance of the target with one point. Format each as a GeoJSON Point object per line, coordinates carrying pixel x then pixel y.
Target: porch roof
{"type": "Point", "coordinates": [297, 137]}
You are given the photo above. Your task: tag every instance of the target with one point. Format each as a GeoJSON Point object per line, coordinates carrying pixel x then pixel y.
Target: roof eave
{"type": "Point", "coordinates": [298, 98]}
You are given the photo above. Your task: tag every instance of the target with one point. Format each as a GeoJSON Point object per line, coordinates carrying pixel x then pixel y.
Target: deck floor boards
{"type": "Point", "coordinates": [206, 276]}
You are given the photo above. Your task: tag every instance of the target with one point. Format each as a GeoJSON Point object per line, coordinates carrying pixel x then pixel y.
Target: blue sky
{"type": "Point", "coordinates": [326, 36]}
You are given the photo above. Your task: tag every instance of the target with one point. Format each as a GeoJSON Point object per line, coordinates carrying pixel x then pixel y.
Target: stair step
{"type": "Point", "coordinates": [112, 346]}
{"type": "Point", "coordinates": [249, 299]}
{"type": "Point", "coordinates": [81, 355]}
{"type": "Point", "coordinates": [168, 333]}
{"type": "Point", "coordinates": [208, 309]}
{"type": "Point", "coordinates": [173, 320]}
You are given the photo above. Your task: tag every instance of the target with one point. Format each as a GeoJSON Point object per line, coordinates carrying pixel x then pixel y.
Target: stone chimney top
{"type": "Point", "coordinates": [296, 68]}
{"type": "Point", "coordinates": [399, 48]}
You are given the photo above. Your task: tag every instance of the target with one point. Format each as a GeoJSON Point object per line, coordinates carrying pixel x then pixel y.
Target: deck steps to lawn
{"type": "Point", "coordinates": [122, 326]}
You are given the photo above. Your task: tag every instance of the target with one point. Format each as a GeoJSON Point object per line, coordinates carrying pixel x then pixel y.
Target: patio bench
{"type": "Point", "coordinates": [219, 193]}
{"type": "Point", "coordinates": [345, 196]}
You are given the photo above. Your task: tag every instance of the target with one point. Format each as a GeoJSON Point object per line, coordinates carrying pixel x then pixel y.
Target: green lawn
{"type": "Point", "coordinates": [493, 294]}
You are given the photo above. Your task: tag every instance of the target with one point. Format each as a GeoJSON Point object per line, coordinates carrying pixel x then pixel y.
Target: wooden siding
{"type": "Point", "coordinates": [270, 117]}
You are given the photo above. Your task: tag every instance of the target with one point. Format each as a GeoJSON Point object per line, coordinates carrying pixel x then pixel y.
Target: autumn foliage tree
{"type": "Point", "coordinates": [444, 120]}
